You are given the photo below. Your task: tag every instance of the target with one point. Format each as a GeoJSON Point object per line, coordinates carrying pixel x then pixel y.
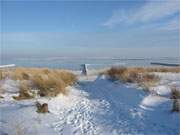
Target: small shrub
{"type": "Point", "coordinates": [176, 105]}
{"type": "Point", "coordinates": [175, 93]}
{"type": "Point", "coordinates": [133, 75]}
{"type": "Point", "coordinates": [116, 73]}
{"type": "Point", "coordinates": [146, 81]}
{"type": "Point", "coordinates": [49, 82]}
{"type": "Point", "coordinates": [1, 91]}
{"type": "Point", "coordinates": [150, 78]}
{"type": "Point", "coordinates": [25, 76]}
{"type": "Point", "coordinates": [1, 75]}
{"type": "Point", "coordinates": [49, 85]}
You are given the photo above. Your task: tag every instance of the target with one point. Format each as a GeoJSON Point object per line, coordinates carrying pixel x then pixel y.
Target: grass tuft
{"type": "Point", "coordinates": [117, 73]}
{"type": "Point", "coordinates": [175, 95]}
{"type": "Point", "coordinates": [49, 82]}
{"type": "Point", "coordinates": [49, 85]}
{"type": "Point", "coordinates": [133, 75]}
{"type": "Point", "coordinates": [176, 105]}
{"type": "Point", "coordinates": [24, 91]}
{"type": "Point", "coordinates": [1, 75]}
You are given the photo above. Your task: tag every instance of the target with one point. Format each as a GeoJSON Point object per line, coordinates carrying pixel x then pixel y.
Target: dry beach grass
{"type": "Point", "coordinates": [48, 82]}
{"type": "Point", "coordinates": [175, 95]}
{"type": "Point", "coordinates": [142, 76]}
{"type": "Point", "coordinates": [51, 82]}
{"type": "Point", "coordinates": [131, 75]}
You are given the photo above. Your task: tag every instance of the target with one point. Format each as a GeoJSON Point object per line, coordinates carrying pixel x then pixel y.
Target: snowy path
{"type": "Point", "coordinates": [93, 107]}
{"type": "Point", "coordinates": [108, 108]}
{"type": "Point", "coordinates": [77, 120]}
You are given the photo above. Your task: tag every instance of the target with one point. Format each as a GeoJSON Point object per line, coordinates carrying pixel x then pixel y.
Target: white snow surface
{"type": "Point", "coordinates": [95, 106]}
{"type": "Point", "coordinates": [7, 66]}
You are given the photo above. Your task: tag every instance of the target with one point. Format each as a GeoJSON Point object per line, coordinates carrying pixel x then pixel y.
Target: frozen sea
{"type": "Point", "coordinates": [75, 63]}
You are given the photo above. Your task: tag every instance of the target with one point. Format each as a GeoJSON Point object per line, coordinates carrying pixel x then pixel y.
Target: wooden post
{"type": "Point", "coordinates": [84, 69]}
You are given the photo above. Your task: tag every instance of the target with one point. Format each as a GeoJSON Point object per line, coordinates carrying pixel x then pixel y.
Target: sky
{"type": "Point", "coordinates": [125, 29]}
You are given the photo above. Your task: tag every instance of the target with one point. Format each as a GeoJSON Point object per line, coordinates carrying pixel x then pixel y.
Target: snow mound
{"type": "Point", "coordinates": [153, 101]}
{"type": "Point", "coordinates": [163, 90]}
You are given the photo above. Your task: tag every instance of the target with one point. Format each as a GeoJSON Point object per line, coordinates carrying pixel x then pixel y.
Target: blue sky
{"type": "Point", "coordinates": [90, 28]}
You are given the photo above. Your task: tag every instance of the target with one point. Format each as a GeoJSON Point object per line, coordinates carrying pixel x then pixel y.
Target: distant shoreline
{"type": "Point", "coordinates": [165, 64]}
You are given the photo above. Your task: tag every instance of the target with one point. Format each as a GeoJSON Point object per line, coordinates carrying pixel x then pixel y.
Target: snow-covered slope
{"type": "Point", "coordinates": [96, 106]}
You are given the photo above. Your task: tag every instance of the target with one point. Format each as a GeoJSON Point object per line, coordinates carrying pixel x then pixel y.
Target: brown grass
{"type": "Point", "coordinates": [1, 77]}
{"type": "Point", "coordinates": [141, 76]}
{"type": "Point", "coordinates": [1, 91]}
{"type": "Point", "coordinates": [176, 105]}
{"type": "Point", "coordinates": [175, 93]}
{"type": "Point", "coordinates": [164, 69]}
{"type": "Point", "coordinates": [49, 85]}
{"type": "Point", "coordinates": [24, 91]}
{"type": "Point", "coordinates": [147, 69]}
{"type": "Point", "coordinates": [49, 82]}
{"type": "Point", "coordinates": [117, 73]}
{"type": "Point", "coordinates": [3, 74]}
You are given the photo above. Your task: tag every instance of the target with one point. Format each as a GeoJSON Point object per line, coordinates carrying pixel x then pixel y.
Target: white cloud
{"type": "Point", "coordinates": [117, 17]}
{"type": "Point", "coordinates": [151, 11]}
{"type": "Point", "coordinates": [173, 24]}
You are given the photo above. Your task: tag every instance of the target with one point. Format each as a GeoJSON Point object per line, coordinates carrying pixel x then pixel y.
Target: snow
{"type": "Point", "coordinates": [10, 86]}
{"type": "Point", "coordinates": [153, 101]}
{"type": "Point", "coordinates": [168, 80]}
{"type": "Point", "coordinates": [7, 66]}
{"type": "Point", "coordinates": [163, 90]}
{"type": "Point", "coordinates": [95, 106]}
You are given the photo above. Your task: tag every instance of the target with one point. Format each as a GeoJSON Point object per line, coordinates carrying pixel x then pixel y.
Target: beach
{"type": "Point", "coordinates": [90, 67]}
{"type": "Point", "coordinates": [94, 105]}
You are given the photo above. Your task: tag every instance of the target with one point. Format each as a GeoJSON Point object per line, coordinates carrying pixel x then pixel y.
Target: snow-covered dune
{"type": "Point", "coordinates": [95, 106]}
